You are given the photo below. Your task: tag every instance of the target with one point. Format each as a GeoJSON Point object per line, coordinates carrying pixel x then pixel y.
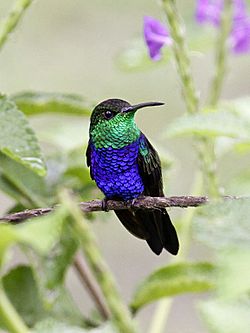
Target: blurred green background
{"type": "Point", "coordinates": [75, 47]}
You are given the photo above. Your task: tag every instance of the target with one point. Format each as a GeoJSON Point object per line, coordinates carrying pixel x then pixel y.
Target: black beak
{"type": "Point", "coordinates": [140, 106]}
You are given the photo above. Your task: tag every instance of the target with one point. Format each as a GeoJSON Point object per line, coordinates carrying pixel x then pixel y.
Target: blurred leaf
{"type": "Point", "coordinates": [8, 236]}
{"type": "Point", "coordinates": [241, 106]}
{"type": "Point", "coordinates": [42, 233]}
{"type": "Point", "coordinates": [233, 279]}
{"type": "Point", "coordinates": [15, 208]}
{"type": "Point", "coordinates": [52, 326]}
{"type": "Point", "coordinates": [56, 263]}
{"type": "Point", "coordinates": [242, 147]}
{"type": "Point", "coordinates": [63, 308]}
{"type": "Point", "coordinates": [22, 184]}
{"type": "Point", "coordinates": [55, 248]}
{"type": "Point", "coordinates": [211, 124]}
{"type": "Point", "coordinates": [224, 224]}
{"type": "Point", "coordinates": [22, 291]}
{"type": "Point", "coordinates": [240, 184]}
{"type": "Point", "coordinates": [32, 103]}
{"type": "Point", "coordinates": [17, 139]}
{"type": "Point", "coordinates": [173, 280]}
{"type": "Point", "coordinates": [224, 317]}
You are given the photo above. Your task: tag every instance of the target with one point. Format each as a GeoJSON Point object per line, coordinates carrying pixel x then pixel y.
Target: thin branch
{"type": "Point", "coordinates": [96, 205]}
{"type": "Point", "coordinates": [84, 273]}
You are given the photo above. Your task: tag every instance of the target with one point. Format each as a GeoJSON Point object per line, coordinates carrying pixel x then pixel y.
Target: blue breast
{"type": "Point", "coordinates": [116, 171]}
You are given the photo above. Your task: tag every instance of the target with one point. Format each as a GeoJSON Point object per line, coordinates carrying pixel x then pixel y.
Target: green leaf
{"type": "Point", "coordinates": [52, 326]}
{"type": "Point", "coordinates": [8, 237]}
{"type": "Point", "coordinates": [17, 139]}
{"type": "Point", "coordinates": [211, 124]}
{"type": "Point", "coordinates": [240, 184]}
{"type": "Point", "coordinates": [240, 106]}
{"type": "Point", "coordinates": [22, 184]}
{"type": "Point", "coordinates": [32, 103]}
{"type": "Point", "coordinates": [222, 317]}
{"type": "Point", "coordinates": [242, 147]}
{"type": "Point", "coordinates": [230, 119]}
{"type": "Point", "coordinates": [22, 291]}
{"type": "Point", "coordinates": [233, 278]}
{"type": "Point", "coordinates": [42, 233]}
{"type": "Point", "coordinates": [224, 224]}
{"type": "Point", "coordinates": [56, 263]}
{"type": "Point", "coordinates": [173, 280]}
{"type": "Point", "coordinates": [64, 309]}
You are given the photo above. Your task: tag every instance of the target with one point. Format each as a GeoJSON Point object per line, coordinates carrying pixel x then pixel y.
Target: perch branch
{"type": "Point", "coordinates": [141, 202]}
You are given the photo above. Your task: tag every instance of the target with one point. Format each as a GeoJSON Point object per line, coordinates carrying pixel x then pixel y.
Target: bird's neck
{"type": "Point", "coordinates": [118, 136]}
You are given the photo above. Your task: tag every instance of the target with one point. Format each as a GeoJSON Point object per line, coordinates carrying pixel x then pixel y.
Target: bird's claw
{"type": "Point", "coordinates": [104, 205]}
{"type": "Point", "coordinates": [131, 203]}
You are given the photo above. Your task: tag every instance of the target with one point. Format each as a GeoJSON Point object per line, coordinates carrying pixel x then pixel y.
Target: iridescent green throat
{"type": "Point", "coordinates": [117, 132]}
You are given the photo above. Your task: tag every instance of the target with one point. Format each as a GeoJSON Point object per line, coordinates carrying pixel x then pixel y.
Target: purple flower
{"type": "Point", "coordinates": [240, 35]}
{"type": "Point", "coordinates": [210, 11]}
{"type": "Point", "coordinates": [156, 36]}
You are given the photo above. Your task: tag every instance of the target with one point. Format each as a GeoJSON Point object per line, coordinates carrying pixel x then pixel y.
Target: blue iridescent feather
{"type": "Point", "coordinates": [116, 171]}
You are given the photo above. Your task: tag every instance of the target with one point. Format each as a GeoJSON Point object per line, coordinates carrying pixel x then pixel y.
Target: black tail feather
{"type": "Point", "coordinates": [153, 226]}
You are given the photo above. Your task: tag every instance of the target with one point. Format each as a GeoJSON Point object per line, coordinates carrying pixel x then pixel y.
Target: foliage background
{"type": "Point", "coordinates": [74, 46]}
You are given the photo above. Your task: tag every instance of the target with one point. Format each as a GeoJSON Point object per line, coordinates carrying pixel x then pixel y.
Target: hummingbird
{"type": "Point", "coordinates": [125, 166]}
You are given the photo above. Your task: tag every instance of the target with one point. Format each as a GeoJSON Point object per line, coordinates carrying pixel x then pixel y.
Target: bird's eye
{"type": "Point", "coordinates": [108, 114]}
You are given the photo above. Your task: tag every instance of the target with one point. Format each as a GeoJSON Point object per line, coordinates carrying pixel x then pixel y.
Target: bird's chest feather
{"type": "Point", "coordinates": [116, 171]}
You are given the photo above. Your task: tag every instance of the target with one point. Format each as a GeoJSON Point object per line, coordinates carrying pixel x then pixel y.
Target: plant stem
{"type": "Point", "coordinates": [160, 317]}
{"type": "Point", "coordinates": [120, 315]}
{"type": "Point", "coordinates": [221, 52]}
{"type": "Point", "coordinates": [205, 150]}
{"type": "Point", "coordinates": [11, 21]}
{"type": "Point", "coordinates": [9, 317]}
{"type": "Point", "coordinates": [181, 56]}
{"type": "Point", "coordinates": [162, 312]}
{"type": "Point", "coordinates": [207, 157]}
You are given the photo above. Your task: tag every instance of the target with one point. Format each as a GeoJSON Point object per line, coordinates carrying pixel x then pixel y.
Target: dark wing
{"type": "Point", "coordinates": [88, 156]}
{"type": "Point", "coordinates": [157, 223]}
{"type": "Point", "coordinates": [150, 169]}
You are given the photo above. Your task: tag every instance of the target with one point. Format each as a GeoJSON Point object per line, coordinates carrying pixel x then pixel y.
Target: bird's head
{"type": "Point", "coordinates": [112, 122]}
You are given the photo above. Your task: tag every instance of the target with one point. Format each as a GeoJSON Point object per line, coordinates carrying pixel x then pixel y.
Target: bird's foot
{"type": "Point", "coordinates": [131, 203]}
{"type": "Point", "coordinates": [104, 204]}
